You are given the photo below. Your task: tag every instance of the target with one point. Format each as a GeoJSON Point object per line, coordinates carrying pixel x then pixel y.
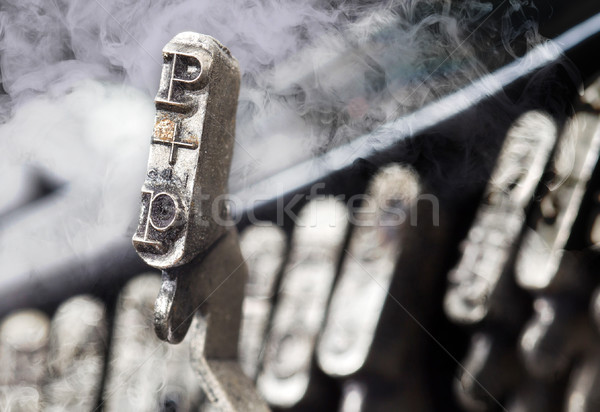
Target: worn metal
{"type": "Point", "coordinates": [190, 152]}
{"type": "Point", "coordinates": [185, 228]}
{"type": "Point", "coordinates": [209, 291]}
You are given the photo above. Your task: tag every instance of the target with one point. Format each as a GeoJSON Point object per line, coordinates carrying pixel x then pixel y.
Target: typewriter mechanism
{"type": "Point", "coordinates": [442, 260]}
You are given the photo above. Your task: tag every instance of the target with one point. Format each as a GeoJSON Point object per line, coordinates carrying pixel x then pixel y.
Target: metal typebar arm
{"type": "Point", "coordinates": [183, 228]}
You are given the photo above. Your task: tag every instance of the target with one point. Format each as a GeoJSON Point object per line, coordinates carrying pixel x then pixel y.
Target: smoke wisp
{"type": "Point", "coordinates": [315, 74]}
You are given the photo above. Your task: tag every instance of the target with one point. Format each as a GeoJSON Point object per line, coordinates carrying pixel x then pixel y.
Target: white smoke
{"type": "Point", "coordinates": [80, 77]}
{"type": "Point", "coordinates": [315, 73]}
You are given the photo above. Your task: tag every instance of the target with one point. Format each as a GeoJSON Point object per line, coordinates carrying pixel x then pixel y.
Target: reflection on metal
{"type": "Point", "coordinates": [490, 244]}
{"type": "Point", "coordinates": [184, 226]}
{"type": "Point", "coordinates": [191, 151]}
{"type": "Point", "coordinates": [78, 335]}
{"type": "Point", "coordinates": [542, 261]}
{"type": "Point", "coordinates": [146, 374]}
{"type": "Point", "coordinates": [23, 353]}
{"type": "Point", "coordinates": [367, 271]}
{"type": "Point", "coordinates": [300, 310]}
{"type": "Point", "coordinates": [264, 251]}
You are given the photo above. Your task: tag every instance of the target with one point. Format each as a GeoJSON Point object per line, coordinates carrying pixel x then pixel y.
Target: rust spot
{"type": "Point", "coordinates": [164, 130]}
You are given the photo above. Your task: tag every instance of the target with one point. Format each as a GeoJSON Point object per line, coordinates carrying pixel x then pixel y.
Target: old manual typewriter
{"type": "Point", "coordinates": [444, 259]}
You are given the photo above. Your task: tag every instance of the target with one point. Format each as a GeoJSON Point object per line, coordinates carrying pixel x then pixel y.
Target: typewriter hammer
{"type": "Point", "coordinates": [184, 227]}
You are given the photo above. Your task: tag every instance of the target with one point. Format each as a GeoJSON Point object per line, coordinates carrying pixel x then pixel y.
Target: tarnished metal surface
{"type": "Point", "coordinates": [548, 362]}
{"type": "Point", "coordinates": [190, 152]}
{"type": "Point", "coordinates": [109, 153]}
{"type": "Point", "coordinates": [185, 227]}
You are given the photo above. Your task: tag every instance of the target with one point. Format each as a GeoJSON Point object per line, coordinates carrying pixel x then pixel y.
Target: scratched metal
{"type": "Point", "coordinates": [78, 336]}
{"type": "Point", "coordinates": [264, 251]}
{"type": "Point", "coordinates": [367, 270]}
{"type": "Point", "coordinates": [146, 374]}
{"type": "Point", "coordinates": [300, 310]}
{"type": "Point", "coordinates": [183, 210]}
{"type": "Point", "coordinates": [185, 227]}
{"type": "Point", "coordinates": [23, 355]}
{"type": "Point", "coordinates": [190, 153]}
{"type": "Point", "coordinates": [490, 243]}
{"type": "Point", "coordinates": [542, 262]}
